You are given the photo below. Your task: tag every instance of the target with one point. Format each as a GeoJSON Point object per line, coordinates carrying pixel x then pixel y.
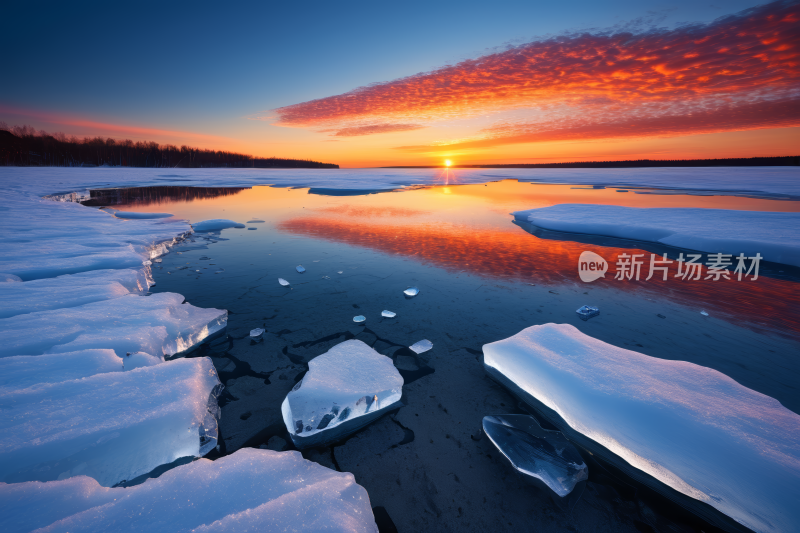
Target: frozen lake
{"type": "Point", "coordinates": [482, 277]}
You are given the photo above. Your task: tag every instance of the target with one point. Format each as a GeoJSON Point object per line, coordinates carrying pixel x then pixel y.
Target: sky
{"type": "Point", "coordinates": [367, 84]}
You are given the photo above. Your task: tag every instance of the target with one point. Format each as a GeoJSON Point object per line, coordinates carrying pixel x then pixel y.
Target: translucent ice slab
{"type": "Point", "coordinates": [112, 427]}
{"type": "Point", "coordinates": [159, 324]}
{"type": "Point", "coordinates": [250, 490]}
{"type": "Point", "coordinates": [545, 455]}
{"type": "Point", "coordinates": [343, 390]}
{"type": "Point", "coordinates": [25, 370]}
{"type": "Point", "coordinates": [689, 432]}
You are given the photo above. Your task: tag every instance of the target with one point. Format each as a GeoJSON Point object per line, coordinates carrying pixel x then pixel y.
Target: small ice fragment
{"type": "Point", "coordinates": [326, 277]}
{"type": "Point", "coordinates": [300, 269]}
{"type": "Point", "coordinates": [703, 313]}
{"type": "Point", "coordinates": [587, 311]}
{"type": "Point", "coordinates": [147, 263]}
{"type": "Point", "coordinates": [359, 319]}
{"type": "Point", "coordinates": [256, 332]}
{"type": "Point", "coordinates": [340, 272]}
{"type": "Point", "coordinates": [411, 291]}
{"type": "Point", "coordinates": [543, 454]}
{"type": "Point", "coordinates": [157, 260]}
{"type": "Point", "coordinates": [422, 346]}
{"type": "Point", "coordinates": [388, 314]}
{"type": "Point", "coordinates": [283, 282]}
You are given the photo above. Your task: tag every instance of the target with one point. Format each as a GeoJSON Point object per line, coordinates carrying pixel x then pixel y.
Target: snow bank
{"type": "Point", "coordinates": [70, 290]}
{"type": "Point", "coordinates": [689, 427]}
{"type": "Point", "coordinates": [776, 236]}
{"type": "Point", "coordinates": [159, 324]}
{"type": "Point", "coordinates": [112, 426]}
{"type": "Point", "coordinates": [344, 389]}
{"type": "Point", "coordinates": [215, 224]}
{"type": "Point", "coordinates": [250, 490]}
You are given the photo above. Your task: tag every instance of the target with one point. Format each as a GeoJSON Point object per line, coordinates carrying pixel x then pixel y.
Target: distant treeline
{"type": "Point", "coordinates": [27, 148]}
{"type": "Point", "coordinates": [791, 160]}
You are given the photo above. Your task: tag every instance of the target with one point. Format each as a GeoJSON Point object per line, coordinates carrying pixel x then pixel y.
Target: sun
{"type": "Point", "coordinates": [447, 162]}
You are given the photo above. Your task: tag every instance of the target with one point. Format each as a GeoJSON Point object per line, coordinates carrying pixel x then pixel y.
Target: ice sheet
{"type": "Point", "coordinates": [689, 427]}
{"type": "Point", "coordinates": [250, 490]}
{"type": "Point", "coordinates": [349, 381]}
{"type": "Point", "coordinates": [159, 324]}
{"type": "Point", "coordinates": [113, 426]}
{"type": "Point", "coordinates": [215, 225]}
{"type": "Point", "coordinates": [776, 236]}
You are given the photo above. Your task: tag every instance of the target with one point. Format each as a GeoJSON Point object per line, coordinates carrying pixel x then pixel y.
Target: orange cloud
{"type": "Point", "coordinates": [739, 72]}
{"type": "Point", "coordinates": [371, 129]}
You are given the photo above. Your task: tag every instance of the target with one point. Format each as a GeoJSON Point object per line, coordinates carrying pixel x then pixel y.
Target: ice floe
{"type": "Point", "coordinates": [776, 236]}
{"type": "Point", "coordinates": [256, 332]}
{"type": "Point", "coordinates": [111, 426]}
{"type": "Point", "coordinates": [283, 282]}
{"type": "Point", "coordinates": [421, 346]}
{"type": "Point", "coordinates": [23, 371]}
{"type": "Point", "coordinates": [215, 224]}
{"type": "Point", "coordinates": [539, 453]}
{"type": "Point", "coordinates": [388, 314]}
{"type": "Point", "coordinates": [160, 324]}
{"type": "Point", "coordinates": [690, 428]}
{"type": "Point", "coordinates": [359, 319]}
{"type": "Point", "coordinates": [250, 490]}
{"type": "Point", "coordinates": [344, 389]}
{"type": "Point", "coordinates": [585, 312]}
{"type": "Point", "coordinates": [300, 268]}
{"type": "Point", "coordinates": [411, 292]}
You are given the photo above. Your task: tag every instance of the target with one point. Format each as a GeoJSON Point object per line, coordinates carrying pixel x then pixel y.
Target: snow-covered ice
{"type": "Point", "coordinates": [689, 427]}
{"type": "Point", "coordinates": [160, 324]}
{"type": "Point", "coordinates": [215, 224]}
{"type": "Point", "coordinates": [421, 346]}
{"type": "Point", "coordinates": [9, 278]}
{"type": "Point", "coordinates": [776, 236]}
{"type": "Point", "coordinates": [250, 490]}
{"type": "Point", "coordinates": [542, 454]}
{"type": "Point", "coordinates": [111, 426]}
{"type": "Point", "coordinates": [344, 389]}
{"type": "Point", "coordinates": [23, 371]}
{"type": "Point", "coordinates": [70, 290]}
{"type": "Point", "coordinates": [135, 360]}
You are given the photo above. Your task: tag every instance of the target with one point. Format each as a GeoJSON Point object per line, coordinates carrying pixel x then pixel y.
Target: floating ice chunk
{"type": "Point", "coordinates": [133, 214]}
{"type": "Point", "coordinates": [776, 236]}
{"type": "Point", "coordinates": [628, 408]}
{"type": "Point", "coordinates": [159, 324]}
{"type": "Point", "coordinates": [388, 314]}
{"type": "Point", "coordinates": [215, 225]}
{"type": "Point", "coordinates": [256, 332]}
{"type": "Point", "coordinates": [411, 292]}
{"type": "Point", "coordinates": [703, 313]}
{"type": "Point", "coordinates": [422, 346]}
{"type": "Point", "coordinates": [9, 278]}
{"type": "Point", "coordinates": [250, 490]}
{"type": "Point", "coordinates": [300, 268]}
{"type": "Point", "coordinates": [147, 263]}
{"type": "Point", "coordinates": [141, 359]}
{"type": "Point", "coordinates": [344, 389]}
{"type": "Point", "coordinates": [587, 311]}
{"type": "Point", "coordinates": [359, 319]}
{"type": "Point", "coordinates": [283, 282]}
{"type": "Point", "coordinates": [111, 426]}
{"type": "Point", "coordinates": [158, 260]}
{"type": "Point", "coordinates": [70, 290]}
{"type": "Point", "coordinates": [545, 455]}
{"type": "Point", "coordinates": [23, 371]}
{"type": "Point", "coordinates": [340, 272]}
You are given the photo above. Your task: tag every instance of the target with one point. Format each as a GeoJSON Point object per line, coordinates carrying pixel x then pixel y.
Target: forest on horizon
{"type": "Point", "coordinates": [24, 146]}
